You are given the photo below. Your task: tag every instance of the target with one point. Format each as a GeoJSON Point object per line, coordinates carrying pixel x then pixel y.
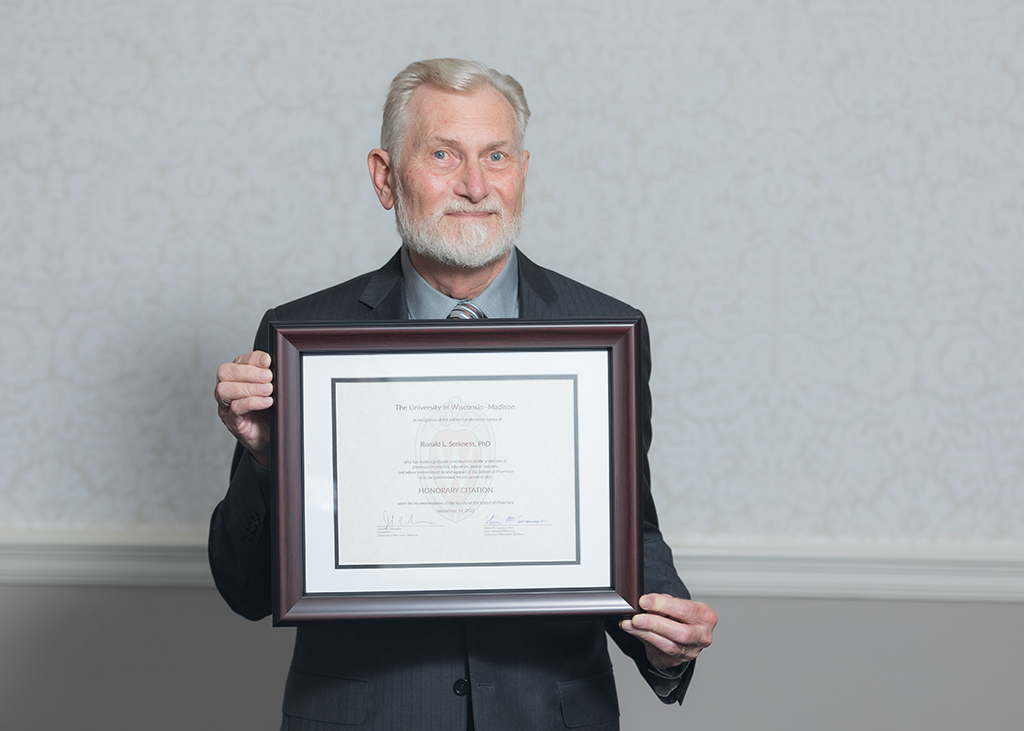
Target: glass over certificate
{"type": "Point", "coordinates": [461, 476]}
{"type": "Point", "coordinates": [462, 470]}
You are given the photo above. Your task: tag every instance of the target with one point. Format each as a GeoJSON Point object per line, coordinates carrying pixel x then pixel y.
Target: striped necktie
{"type": "Point", "coordinates": [466, 311]}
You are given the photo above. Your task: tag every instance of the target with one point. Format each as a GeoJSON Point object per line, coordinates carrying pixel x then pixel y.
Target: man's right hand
{"type": "Point", "coordinates": [243, 396]}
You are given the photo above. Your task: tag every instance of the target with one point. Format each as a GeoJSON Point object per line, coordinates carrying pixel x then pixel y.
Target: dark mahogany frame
{"type": "Point", "coordinates": [620, 338]}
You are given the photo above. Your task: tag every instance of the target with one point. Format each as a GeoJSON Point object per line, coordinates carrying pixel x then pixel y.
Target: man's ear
{"type": "Point", "coordinates": [379, 163]}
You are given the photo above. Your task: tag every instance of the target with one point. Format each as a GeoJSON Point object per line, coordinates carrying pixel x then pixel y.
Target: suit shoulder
{"type": "Point", "coordinates": [326, 303]}
{"type": "Point", "coordinates": [570, 298]}
{"type": "Point", "coordinates": [594, 297]}
{"type": "Point", "coordinates": [379, 291]}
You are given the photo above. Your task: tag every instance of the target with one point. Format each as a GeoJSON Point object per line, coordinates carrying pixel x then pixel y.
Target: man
{"type": "Point", "coordinates": [452, 165]}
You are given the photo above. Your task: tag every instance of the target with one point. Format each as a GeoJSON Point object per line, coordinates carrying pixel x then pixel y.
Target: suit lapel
{"type": "Point", "coordinates": [384, 294]}
{"type": "Point", "coordinates": [537, 296]}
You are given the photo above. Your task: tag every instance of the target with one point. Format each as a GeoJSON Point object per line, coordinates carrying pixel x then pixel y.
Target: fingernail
{"type": "Point", "coordinates": [640, 621]}
{"type": "Point", "coordinates": [646, 602]}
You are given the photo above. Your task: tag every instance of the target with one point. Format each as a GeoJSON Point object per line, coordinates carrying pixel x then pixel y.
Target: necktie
{"type": "Point", "coordinates": [466, 311]}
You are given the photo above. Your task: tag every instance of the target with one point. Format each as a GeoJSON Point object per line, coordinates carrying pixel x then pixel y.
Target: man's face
{"type": "Point", "coordinates": [460, 187]}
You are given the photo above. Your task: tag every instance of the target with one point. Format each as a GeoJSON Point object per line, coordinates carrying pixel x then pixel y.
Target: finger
{"type": "Point", "coordinates": [245, 406]}
{"type": "Point", "coordinates": [243, 373]}
{"type": "Point", "coordinates": [251, 366]}
{"type": "Point", "coordinates": [662, 632]}
{"type": "Point", "coordinates": [662, 651]}
{"type": "Point", "coordinates": [255, 358]}
{"type": "Point", "coordinates": [681, 610]}
{"type": "Point", "coordinates": [238, 414]}
{"type": "Point", "coordinates": [698, 615]}
{"type": "Point", "coordinates": [228, 393]}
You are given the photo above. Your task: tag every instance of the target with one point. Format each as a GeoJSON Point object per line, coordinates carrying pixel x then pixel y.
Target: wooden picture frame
{"type": "Point", "coordinates": [436, 469]}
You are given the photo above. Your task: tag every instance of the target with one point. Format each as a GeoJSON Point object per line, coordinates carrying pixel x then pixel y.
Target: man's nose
{"type": "Point", "coordinates": [472, 181]}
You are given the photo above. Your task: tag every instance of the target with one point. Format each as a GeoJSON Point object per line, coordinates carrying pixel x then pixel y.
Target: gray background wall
{"type": "Point", "coordinates": [818, 204]}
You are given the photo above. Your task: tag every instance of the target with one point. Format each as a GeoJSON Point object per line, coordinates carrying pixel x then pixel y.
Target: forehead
{"type": "Point", "coordinates": [483, 116]}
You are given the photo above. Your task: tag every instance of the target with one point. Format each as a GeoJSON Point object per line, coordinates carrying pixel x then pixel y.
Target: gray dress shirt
{"type": "Point", "coordinates": [500, 299]}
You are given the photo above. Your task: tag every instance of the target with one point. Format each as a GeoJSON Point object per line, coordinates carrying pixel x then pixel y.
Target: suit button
{"type": "Point", "coordinates": [461, 687]}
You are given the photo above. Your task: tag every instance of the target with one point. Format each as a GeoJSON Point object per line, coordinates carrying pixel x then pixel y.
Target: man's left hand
{"type": "Point", "coordinates": [673, 630]}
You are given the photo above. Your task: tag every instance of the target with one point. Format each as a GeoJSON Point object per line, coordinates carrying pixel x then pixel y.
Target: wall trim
{"type": "Point", "coordinates": [105, 558]}
{"type": "Point", "coordinates": [755, 569]}
{"type": "Point", "coordinates": [947, 573]}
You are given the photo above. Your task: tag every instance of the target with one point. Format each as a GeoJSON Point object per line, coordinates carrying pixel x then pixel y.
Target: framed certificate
{"type": "Point", "coordinates": [479, 468]}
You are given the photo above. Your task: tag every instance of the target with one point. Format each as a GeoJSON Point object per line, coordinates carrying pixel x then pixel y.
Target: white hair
{"type": "Point", "coordinates": [450, 74]}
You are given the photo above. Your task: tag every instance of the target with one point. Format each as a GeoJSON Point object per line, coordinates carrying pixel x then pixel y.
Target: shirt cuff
{"type": "Point", "coordinates": [664, 682]}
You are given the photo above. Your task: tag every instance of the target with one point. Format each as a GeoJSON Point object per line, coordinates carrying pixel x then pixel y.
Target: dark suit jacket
{"type": "Point", "coordinates": [523, 674]}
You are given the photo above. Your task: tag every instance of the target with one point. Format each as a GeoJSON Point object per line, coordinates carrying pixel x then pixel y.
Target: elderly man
{"type": "Point", "coordinates": [452, 165]}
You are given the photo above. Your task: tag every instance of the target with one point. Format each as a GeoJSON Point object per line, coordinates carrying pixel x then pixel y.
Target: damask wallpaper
{"type": "Point", "coordinates": [818, 204]}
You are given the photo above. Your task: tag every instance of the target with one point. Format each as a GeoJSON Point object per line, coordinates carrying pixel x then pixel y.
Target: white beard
{"type": "Point", "coordinates": [463, 243]}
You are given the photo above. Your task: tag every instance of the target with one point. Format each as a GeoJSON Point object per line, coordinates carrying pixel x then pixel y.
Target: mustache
{"type": "Point", "coordinates": [484, 207]}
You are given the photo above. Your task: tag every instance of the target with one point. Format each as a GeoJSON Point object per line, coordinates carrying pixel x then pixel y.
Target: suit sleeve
{"type": "Point", "coordinates": [659, 572]}
{"type": "Point", "coordinates": [240, 531]}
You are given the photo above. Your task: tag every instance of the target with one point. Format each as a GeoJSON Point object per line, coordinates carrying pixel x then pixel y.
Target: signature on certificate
{"type": "Point", "coordinates": [513, 520]}
{"type": "Point", "coordinates": [401, 521]}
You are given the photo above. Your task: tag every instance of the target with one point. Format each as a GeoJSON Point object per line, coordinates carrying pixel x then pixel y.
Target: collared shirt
{"type": "Point", "coordinates": [500, 299]}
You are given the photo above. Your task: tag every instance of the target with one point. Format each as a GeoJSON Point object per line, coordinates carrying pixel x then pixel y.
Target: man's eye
{"type": "Point", "coordinates": [496, 157]}
{"type": "Point", "coordinates": [441, 155]}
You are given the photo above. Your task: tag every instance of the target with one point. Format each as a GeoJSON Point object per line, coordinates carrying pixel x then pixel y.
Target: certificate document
{"type": "Point", "coordinates": [455, 471]}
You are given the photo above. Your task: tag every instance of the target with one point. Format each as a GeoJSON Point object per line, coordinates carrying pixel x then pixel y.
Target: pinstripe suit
{"type": "Point", "coordinates": [522, 673]}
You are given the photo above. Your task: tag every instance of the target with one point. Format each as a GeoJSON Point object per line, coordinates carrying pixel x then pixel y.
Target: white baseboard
{"type": "Point", "coordinates": [104, 558]}
{"type": "Point", "coordinates": [762, 569]}
{"type": "Point", "coordinates": [936, 574]}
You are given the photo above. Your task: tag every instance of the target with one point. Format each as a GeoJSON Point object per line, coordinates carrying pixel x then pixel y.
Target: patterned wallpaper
{"type": "Point", "coordinates": [819, 204]}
